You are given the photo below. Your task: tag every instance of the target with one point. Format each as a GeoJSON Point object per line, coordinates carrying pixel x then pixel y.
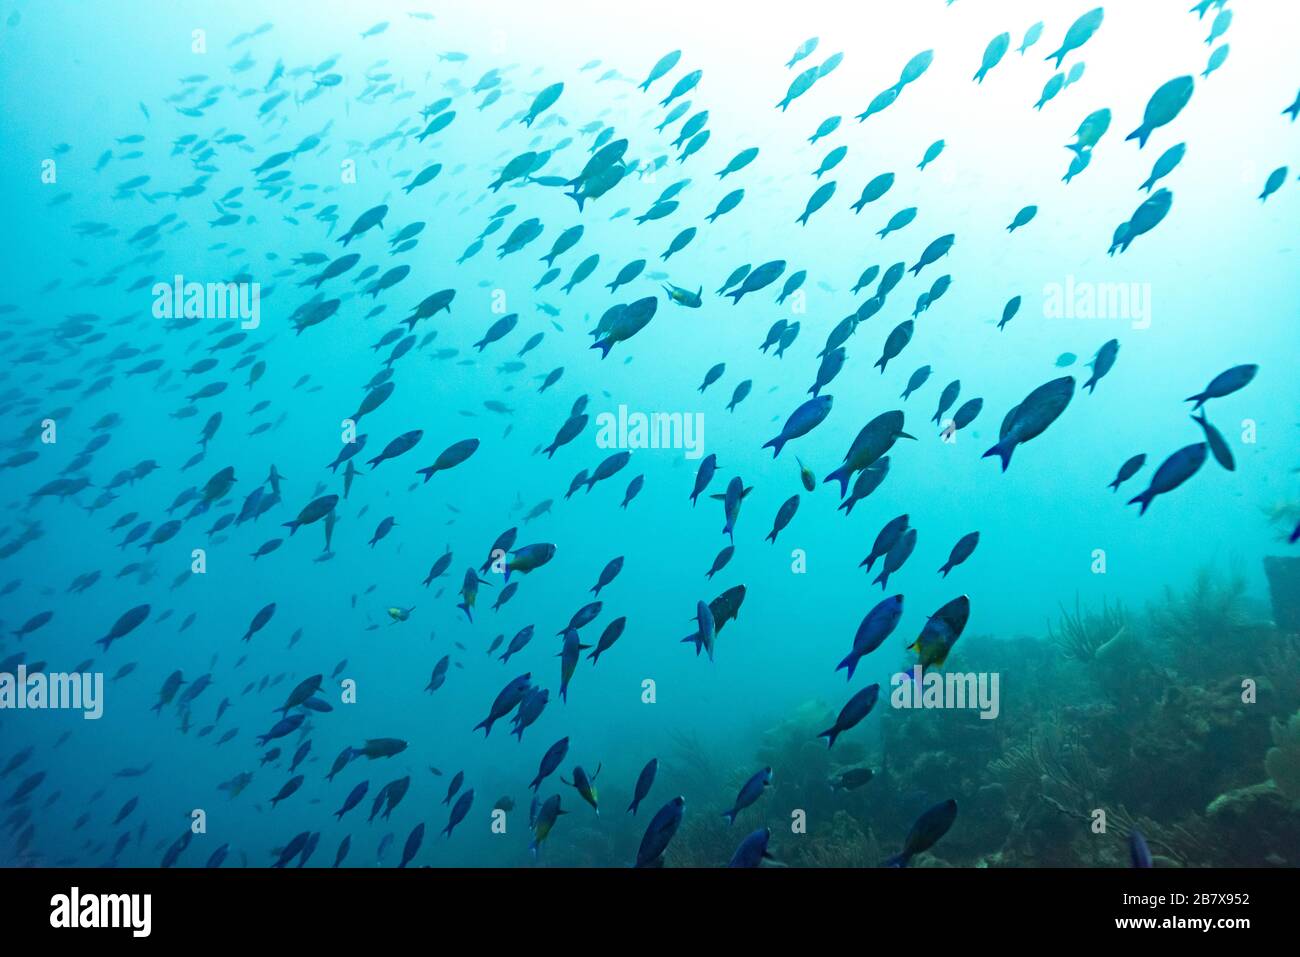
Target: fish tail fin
{"type": "Point", "coordinates": [776, 445]}
{"type": "Point", "coordinates": [840, 475]}
{"type": "Point", "coordinates": [898, 860]}
{"type": "Point", "coordinates": [604, 345]}
{"type": "Point", "coordinates": [851, 663]}
{"type": "Point", "coordinates": [1140, 134]}
{"type": "Point", "coordinates": [830, 734]}
{"type": "Point", "coordinates": [1144, 498]}
{"type": "Point", "coordinates": [1003, 451]}
{"type": "Point", "coordinates": [730, 816]}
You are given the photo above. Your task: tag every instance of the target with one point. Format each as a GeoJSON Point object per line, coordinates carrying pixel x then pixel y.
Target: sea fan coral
{"type": "Point", "coordinates": [1080, 635]}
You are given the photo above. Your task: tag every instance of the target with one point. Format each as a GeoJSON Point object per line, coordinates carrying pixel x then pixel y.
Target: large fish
{"type": "Point", "coordinates": [1031, 417]}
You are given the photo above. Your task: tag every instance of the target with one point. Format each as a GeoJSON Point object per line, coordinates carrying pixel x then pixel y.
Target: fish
{"type": "Point", "coordinates": [1224, 384]}
{"type": "Point", "coordinates": [1131, 467]}
{"type": "Point", "coordinates": [925, 832]}
{"type": "Point", "coordinates": [960, 552]}
{"type": "Point", "coordinates": [875, 439]}
{"type": "Point", "coordinates": [1102, 363]}
{"type": "Point", "coordinates": [1032, 416]}
{"type": "Point", "coordinates": [852, 779]}
{"type": "Point", "coordinates": [1079, 33]}
{"type": "Point", "coordinates": [750, 792]}
{"type": "Point", "coordinates": [1163, 107]}
{"type": "Point", "coordinates": [753, 849]}
{"type": "Point", "coordinates": [801, 421]}
{"type": "Point", "coordinates": [857, 708]}
{"type": "Point", "coordinates": [941, 631]}
{"type": "Point", "coordinates": [1173, 472]}
{"type": "Point", "coordinates": [876, 626]}
{"type": "Point", "coordinates": [659, 833]}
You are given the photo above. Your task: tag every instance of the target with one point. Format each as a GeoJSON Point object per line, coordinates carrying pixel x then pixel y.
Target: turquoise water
{"type": "Point", "coordinates": [1216, 280]}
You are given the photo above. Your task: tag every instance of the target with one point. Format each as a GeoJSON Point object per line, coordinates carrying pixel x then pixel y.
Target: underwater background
{"type": "Point", "coordinates": [1149, 665]}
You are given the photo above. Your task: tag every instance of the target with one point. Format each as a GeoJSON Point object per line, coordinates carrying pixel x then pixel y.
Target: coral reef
{"type": "Point", "coordinates": [1081, 636]}
{"type": "Point", "coordinates": [1284, 591]}
{"type": "Point", "coordinates": [1117, 723]}
{"type": "Point", "coordinates": [1205, 629]}
{"type": "Point", "coordinates": [1283, 759]}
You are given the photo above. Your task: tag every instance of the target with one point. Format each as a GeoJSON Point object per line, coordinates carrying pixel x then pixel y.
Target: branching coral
{"type": "Point", "coordinates": [1280, 662]}
{"type": "Point", "coordinates": [1054, 762]}
{"type": "Point", "coordinates": [1283, 759]}
{"type": "Point", "coordinates": [1206, 628]}
{"type": "Point", "coordinates": [1187, 843]}
{"type": "Point", "coordinates": [1283, 517]}
{"type": "Point", "coordinates": [694, 762]}
{"type": "Point", "coordinates": [1204, 612]}
{"type": "Point", "coordinates": [840, 843]}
